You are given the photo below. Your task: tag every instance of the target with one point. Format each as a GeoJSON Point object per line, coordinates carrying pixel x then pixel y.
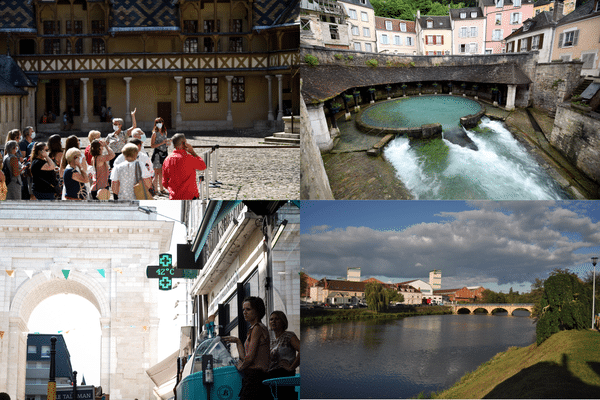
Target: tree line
{"type": "Point", "coordinates": [407, 9]}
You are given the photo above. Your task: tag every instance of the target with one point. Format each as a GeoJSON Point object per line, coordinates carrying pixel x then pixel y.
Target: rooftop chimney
{"type": "Point", "coordinates": [418, 14]}
{"type": "Point", "coordinates": [558, 10]}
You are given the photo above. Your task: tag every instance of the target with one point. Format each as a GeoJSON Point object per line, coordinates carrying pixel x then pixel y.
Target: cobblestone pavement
{"type": "Point", "coordinates": [263, 171]}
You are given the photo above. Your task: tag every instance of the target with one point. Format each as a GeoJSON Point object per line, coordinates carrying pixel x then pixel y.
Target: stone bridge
{"type": "Point", "coordinates": [489, 308]}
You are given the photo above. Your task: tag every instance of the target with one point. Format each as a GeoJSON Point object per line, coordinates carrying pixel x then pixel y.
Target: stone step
{"type": "Point", "coordinates": [582, 86]}
{"type": "Point", "coordinates": [286, 135]}
{"type": "Point", "coordinates": [283, 140]}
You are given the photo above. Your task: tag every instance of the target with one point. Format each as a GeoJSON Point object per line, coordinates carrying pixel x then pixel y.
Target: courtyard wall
{"type": "Point", "coordinates": [553, 82]}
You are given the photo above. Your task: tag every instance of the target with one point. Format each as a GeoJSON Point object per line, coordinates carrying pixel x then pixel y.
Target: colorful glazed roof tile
{"type": "Point", "coordinates": [17, 16]}
{"type": "Point", "coordinates": [269, 13]}
{"type": "Point", "coordinates": [143, 15]}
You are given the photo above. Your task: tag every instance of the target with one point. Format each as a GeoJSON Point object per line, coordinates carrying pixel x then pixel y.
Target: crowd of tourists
{"type": "Point", "coordinates": [113, 168]}
{"type": "Point", "coordinates": [263, 355]}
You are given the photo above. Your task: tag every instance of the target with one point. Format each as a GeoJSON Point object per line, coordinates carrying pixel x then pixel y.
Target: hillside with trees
{"type": "Point", "coordinates": [407, 9]}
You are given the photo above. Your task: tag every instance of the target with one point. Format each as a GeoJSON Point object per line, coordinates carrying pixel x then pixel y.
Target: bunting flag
{"type": "Point", "coordinates": [29, 273]}
{"type": "Point", "coordinates": [145, 328]}
{"type": "Point", "coordinates": [1, 334]}
{"type": "Point", "coordinates": [101, 271]}
{"type": "Point", "coordinates": [119, 270]}
{"type": "Point", "coordinates": [66, 273]}
{"type": "Point", "coordinates": [47, 273]}
{"type": "Point", "coordinates": [10, 272]}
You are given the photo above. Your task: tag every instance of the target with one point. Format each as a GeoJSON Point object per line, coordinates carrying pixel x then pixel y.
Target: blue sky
{"type": "Point", "coordinates": [497, 245]}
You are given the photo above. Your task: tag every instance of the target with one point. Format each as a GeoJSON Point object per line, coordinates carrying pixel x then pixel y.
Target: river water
{"type": "Point", "coordinates": [402, 358]}
{"type": "Point", "coordinates": [501, 168]}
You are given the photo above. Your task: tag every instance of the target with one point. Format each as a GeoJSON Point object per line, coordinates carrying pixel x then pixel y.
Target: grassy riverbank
{"type": "Point", "coordinates": [328, 315]}
{"type": "Point", "coordinates": [567, 365]}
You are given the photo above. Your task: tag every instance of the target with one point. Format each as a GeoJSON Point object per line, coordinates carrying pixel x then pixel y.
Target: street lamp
{"type": "Point", "coordinates": [594, 262]}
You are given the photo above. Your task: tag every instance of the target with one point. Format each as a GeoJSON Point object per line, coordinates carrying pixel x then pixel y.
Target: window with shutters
{"type": "Point", "coordinates": [368, 47]}
{"type": "Point", "coordinates": [498, 19]}
{"type": "Point", "coordinates": [535, 42]}
{"type": "Point", "coordinates": [397, 40]}
{"type": "Point", "coordinates": [515, 18]}
{"type": "Point", "coordinates": [355, 31]}
{"type": "Point", "coordinates": [439, 39]}
{"type": "Point", "coordinates": [463, 32]}
{"type": "Point", "coordinates": [523, 44]}
{"type": "Point", "coordinates": [352, 13]}
{"type": "Point", "coordinates": [473, 31]}
{"type": "Point", "coordinates": [588, 60]}
{"type": "Point", "coordinates": [473, 48]}
{"type": "Point", "coordinates": [497, 34]}
{"type": "Point", "coordinates": [462, 48]}
{"type": "Point", "coordinates": [570, 38]}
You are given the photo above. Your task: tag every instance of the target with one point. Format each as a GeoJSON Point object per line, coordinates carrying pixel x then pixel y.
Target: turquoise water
{"type": "Point", "coordinates": [421, 110]}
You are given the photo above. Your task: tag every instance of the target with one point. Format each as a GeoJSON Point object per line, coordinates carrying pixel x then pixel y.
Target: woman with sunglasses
{"type": "Point", "coordinates": [159, 143]}
{"type": "Point", "coordinates": [43, 172]}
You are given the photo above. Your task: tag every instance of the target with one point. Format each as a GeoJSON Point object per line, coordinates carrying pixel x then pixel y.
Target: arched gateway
{"type": "Point", "coordinates": [105, 248]}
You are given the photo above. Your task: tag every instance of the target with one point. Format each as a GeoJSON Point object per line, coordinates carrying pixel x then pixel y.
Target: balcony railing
{"type": "Point", "coordinates": [154, 62]}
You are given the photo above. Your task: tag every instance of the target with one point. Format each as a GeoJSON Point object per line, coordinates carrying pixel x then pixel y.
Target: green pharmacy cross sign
{"type": "Point", "coordinates": [165, 272]}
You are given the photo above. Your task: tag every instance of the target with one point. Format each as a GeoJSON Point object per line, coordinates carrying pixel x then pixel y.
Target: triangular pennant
{"type": "Point", "coordinates": [66, 273]}
{"type": "Point", "coordinates": [10, 272]}
{"type": "Point", "coordinates": [145, 328]}
{"type": "Point", "coordinates": [28, 272]}
{"type": "Point", "coordinates": [47, 273]}
{"type": "Point", "coordinates": [1, 334]}
{"type": "Point", "coordinates": [119, 270]}
{"type": "Point", "coordinates": [102, 272]}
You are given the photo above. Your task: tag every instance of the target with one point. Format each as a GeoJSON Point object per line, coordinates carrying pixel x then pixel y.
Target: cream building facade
{"type": "Point", "coordinates": [396, 36]}
{"type": "Point", "coordinates": [361, 23]}
{"type": "Point", "coordinates": [434, 35]}
{"type": "Point", "coordinates": [39, 243]}
{"type": "Point", "coordinates": [577, 36]}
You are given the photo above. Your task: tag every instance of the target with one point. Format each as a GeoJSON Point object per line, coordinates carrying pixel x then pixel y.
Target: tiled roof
{"type": "Point", "coordinates": [327, 81]}
{"type": "Point", "coordinates": [540, 21]}
{"type": "Point", "coordinates": [380, 24]}
{"type": "Point", "coordinates": [342, 285]}
{"type": "Point", "coordinates": [372, 280]}
{"type": "Point", "coordinates": [540, 3]}
{"type": "Point", "coordinates": [8, 89]}
{"type": "Point", "coordinates": [17, 16]}
{"type": "Point", "coordinates": [147, 15]}
{"type": "Point", "coordinates": [455, 12]}
{"type": "Point", "coordinates": [359, 3]}
{"type": "Point", "coordinates": [581, 12]}
{"type": "Point", "coordinates": [12, 74]}
{"type": "Point", "coordinates": [439, 22]}
{"type": "Point", "coordinates": [275, 12]}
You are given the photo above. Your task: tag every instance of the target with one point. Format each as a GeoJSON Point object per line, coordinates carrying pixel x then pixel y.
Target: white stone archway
{"type": "Point", "coordinates": [38, 242]}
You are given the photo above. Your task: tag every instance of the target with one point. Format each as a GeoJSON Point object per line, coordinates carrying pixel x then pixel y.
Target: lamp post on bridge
{"type": "Point", "coordinates": [594, 262]}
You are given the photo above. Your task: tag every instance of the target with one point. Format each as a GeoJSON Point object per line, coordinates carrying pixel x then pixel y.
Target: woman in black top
{"type": "Point", "coordinates": [43, 172]}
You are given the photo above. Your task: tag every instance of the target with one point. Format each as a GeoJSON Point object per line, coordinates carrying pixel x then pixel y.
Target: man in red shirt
{"type": "Point", "coordinates": [179, 170]}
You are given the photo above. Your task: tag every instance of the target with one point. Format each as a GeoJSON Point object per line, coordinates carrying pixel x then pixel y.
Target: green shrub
{"type": "Point", "coordinates": [338, 56]}
{"type": "Point", "coordinates": [412, 63]}
{"type": "Point", "coordinates": [311, 60]}
{"type": "Point", "coordinates": [372, 63]}
{"type": "Point", "coordinates": [350, 57]}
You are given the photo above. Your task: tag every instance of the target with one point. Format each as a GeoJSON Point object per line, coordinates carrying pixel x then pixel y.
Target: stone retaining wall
{"type": "Point", "coordinates": [553, 82]}
{"type": "Point", "coordinates": [314, 183]}
{"type": "Point", "coordinates": [577, 136]}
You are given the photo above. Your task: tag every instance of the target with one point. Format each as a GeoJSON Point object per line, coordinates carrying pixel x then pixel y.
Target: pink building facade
{"type": "Point", "coordinates": [503, 17]}
{"type": "Point", "coordinates": [468, 31]}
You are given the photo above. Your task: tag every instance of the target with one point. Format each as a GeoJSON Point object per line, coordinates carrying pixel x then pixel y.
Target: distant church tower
{"type": "Point", "coordinates": [353, 274]}
{"type": "Point", "coordinates": [435, 279]}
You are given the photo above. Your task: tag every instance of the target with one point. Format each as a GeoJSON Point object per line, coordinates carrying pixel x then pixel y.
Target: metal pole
{"type": "Point", "coordinates": [52, 377]}
{"type": "Point", "coordinates": [594, 261]}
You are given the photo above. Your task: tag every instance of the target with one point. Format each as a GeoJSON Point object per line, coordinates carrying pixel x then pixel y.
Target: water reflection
{"type": "Point", "coordinates": [400, 359]}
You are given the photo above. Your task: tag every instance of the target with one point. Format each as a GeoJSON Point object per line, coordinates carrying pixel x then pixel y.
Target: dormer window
{"type": "Point", "coordinates": [499, 3]}
{"type": "Point", "coordinates": [526, 26]}
{"type": "Point", "coordinates": [388, 25]}
{"type": "Point", "coordinates": [430, 24]}
{"type": "Point", "coordinates": [402, 26]}
{"type": "Point", "coordinates": [463, 15]}
{"type": "Point", "coordinates": [474, 14]}
{"type": "Point", "coordinates": [517, 3]}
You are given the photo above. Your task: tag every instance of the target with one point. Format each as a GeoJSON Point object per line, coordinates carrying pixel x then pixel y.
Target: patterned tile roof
{"type": "Point", "coordinates": [540, 21]}
{"type": "Point", "coordinates": [17, 16]}
{"type": "Point", "coordinates": [143, 15]}
{"type": "Point", "coordinates": [275, 12]}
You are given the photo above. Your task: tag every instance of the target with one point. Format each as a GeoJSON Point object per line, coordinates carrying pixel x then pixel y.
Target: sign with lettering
{"type": "Point", "coordinates": [83, 393]}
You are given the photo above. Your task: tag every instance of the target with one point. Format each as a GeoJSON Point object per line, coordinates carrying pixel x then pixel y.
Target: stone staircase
{"type": "Point", "coordinates": [290, 135]}
{"type": "Point", "coordinates": [581, 87]}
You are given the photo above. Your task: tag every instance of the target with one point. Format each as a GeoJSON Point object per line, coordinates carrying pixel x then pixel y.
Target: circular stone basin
{"type": "Point", "coordinates": [416, 111]}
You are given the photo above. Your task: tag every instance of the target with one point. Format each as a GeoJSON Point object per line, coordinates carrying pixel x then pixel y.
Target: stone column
{"type": "Point", "coordinates": [105, 352]}
{"type": "Point", "coordinates": [178, 119]}
{"type": "Point", "coordinates": [280, 93]}
{"type": "Point", "coordinates": [510, 97]}
{"type": "Point", "coordinates": [229, 116]}
{"type": "Point", "coordinates": [85, 119]}
{"type": "Point", "coordinates": [270, 115]}
{"type": "Point", "coordinates": [127, 106]}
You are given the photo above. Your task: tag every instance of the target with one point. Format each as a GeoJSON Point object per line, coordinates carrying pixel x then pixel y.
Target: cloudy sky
{"type": "Point", "coordinates": [497, 245]}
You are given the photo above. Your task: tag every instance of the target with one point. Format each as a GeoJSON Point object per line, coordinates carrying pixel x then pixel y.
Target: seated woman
{"type": "Point", "coordinates": [254, 352]}
{"type": "Point", "coordinates": [74, 178]}
{"type": "Point", "coordinates": [285, 353]}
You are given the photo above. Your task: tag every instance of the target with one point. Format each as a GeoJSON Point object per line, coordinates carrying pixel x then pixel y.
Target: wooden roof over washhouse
{"type": "Point", "coordinates": [324, 82]}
